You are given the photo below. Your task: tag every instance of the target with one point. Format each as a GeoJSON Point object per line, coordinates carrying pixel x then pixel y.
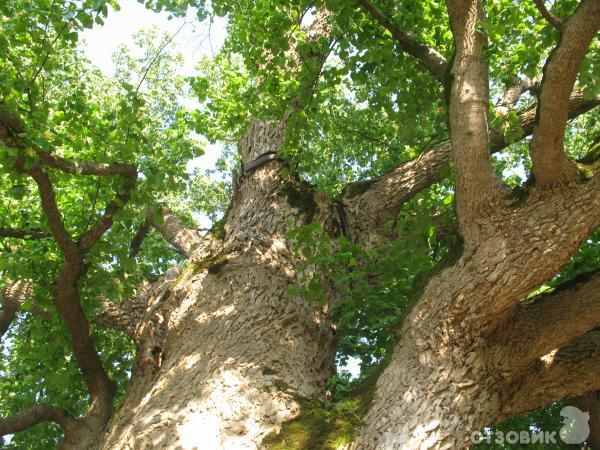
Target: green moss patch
{"type": "Point", "coordinates": [322, 426]}
{"type": "Point", "coordinates": [213, 264]}
{"type": "Point", "coordinates": [219, 229]}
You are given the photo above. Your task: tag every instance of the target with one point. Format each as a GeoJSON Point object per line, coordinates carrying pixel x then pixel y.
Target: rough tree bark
{"type": "Point", "coordinates": [468, 355]}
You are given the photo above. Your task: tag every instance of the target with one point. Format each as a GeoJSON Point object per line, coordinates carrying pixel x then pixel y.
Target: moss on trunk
{"type": "Point", "coordinates": [325, 426]}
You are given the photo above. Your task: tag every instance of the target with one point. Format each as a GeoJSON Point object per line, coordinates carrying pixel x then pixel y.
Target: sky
{"type": "Point", "coordinates": [193, 41]}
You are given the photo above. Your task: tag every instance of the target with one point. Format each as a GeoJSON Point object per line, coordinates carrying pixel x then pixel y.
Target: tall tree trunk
{"type": "Point", "coordinates": [469, 355]}
{"type": "Point", "coordinates": [236, 348]}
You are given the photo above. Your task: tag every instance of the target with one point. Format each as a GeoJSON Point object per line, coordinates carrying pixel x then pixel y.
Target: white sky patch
{"type": "Point", "coordinates": [193, 41]}
{"type": "Point", "coordinates": [353, 366]}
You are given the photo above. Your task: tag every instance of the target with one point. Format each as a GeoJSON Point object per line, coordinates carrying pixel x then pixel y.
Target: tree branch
{"type": "Point", "coordinates": [99, 385]}
{"type": "Point", "coordinates": [550, 163]}
{"type": "Point", "coordinates": [36, 414]}
{"type": "Point", "coordinates": [476, 183]}
{"type": "Point", "coordinates": [514, 92]}
{"type": "Point", "coordinates": [84, 167]}
{"type": "Point", "coordinates": [568, 372]}
{"type": "Point", "coordinates": [53, 215]}
{"type": "Point", "coordinates": [548, 322]}
{"type": "Point", "coordinates": [94, 234]}
{"type": "Point", "coordinates": [19, 233]}
{"type": "Point", "coordinates": [123, 317]}
{"type": "Point", "coordinates": [138, 238]}
{"type": "Point", "coordinates": [174, 232]}
{"type": "Point", "coordinates": [10, 127]}
{"type": "Point", "coordinates": [11, 298]}
{"type": "Point", "coordinates": [430, 58]}
{"type": "Point", "coordinates": [370, 204]}
{"type": "Point", "coordinates": [546, 14]}
{"type": "Point", "coordinates": [589, 402]}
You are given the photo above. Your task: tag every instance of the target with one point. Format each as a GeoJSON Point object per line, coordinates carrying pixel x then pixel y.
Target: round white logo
{"type": "Point", "coordinates": [575, 428]}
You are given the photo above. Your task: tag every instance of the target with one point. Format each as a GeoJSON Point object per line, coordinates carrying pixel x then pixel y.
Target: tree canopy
{"type": "Point", "coordinates": [91, 165]}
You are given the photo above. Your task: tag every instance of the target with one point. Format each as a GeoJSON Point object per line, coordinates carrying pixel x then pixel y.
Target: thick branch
{"type": "Point", "coordinates": [434, 61]}
{"type": "Point", "coordinates": [546, 14]}
{"type": "Point", "coordinates": [121, 317]}
{"type": "Point", "coordinates": [377, 201]}
{"type": "Point", "coordinates": [550, 163]}
{"type": "Point", "coordinates": [36, 414]}
{"type": "Point", "coordinates": [175, 233]}
{"type": "Point", "coordinates": [590, 403]}
{"type": "Point", "coordinates": [476, 183]}
{"type": "Point", "coordinates": [571, 371]}
{"type": "Point", "coordinates": [11, 298]}
{"type": "Point", "coordinates": [19, 233]}
{"type": "Point", "coordinates": [100, 386]}
{"type": "Point", "coordinates": [549, 322]}
{"type": "Point", "coordinates": [8, 313]}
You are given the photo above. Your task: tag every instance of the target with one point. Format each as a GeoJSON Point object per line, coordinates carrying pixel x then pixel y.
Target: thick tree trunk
{"type": "Point", "coordinates": [469, 355]}
{"type": "Point", "coordinates": [236, 349]}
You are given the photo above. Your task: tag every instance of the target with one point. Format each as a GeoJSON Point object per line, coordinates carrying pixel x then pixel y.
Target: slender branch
{"type": "Point", "coordinates": [514, 92]}
{"type": "Point", "coordinates": [567, 372]}
{"type": "Point", "coordinates": [20, 233]}
{"type": "Point", "coordinates": [157, 55]}
{"type": "Point", "coordinates": [550, 163]}
{"type": "Point", "coordinates": [10, 127]}
{"type": "Point", "coordinates": [36, 414]}
{"type": "Point", "coordinates": [84, 167]}
{"type": "Point", "coordinates": [430, 58]}
{"type": "Point", "coordinates": [548, 322]}
{"type": "Point", "coordinates": [90, 238]}
{"type": "Point", "coordinates": [546, 14]}
{"type": "Point", "coordinates": [138, 238]}
{"type": "Point", "coordinates": [53, 215]}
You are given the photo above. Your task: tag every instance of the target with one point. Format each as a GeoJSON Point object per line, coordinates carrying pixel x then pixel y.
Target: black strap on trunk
{"type": "Point", "coordinates": [343, 219]}
{"type": "Point", "coordinates": [272, 156]}
{"type": "Point", "coordinates": [265, 157]}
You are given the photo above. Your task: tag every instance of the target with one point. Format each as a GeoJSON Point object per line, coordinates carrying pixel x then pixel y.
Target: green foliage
{"type": "Point", "coordinates": [377, 285]}
{"type": "Point", "coordinates": [70, 108]}
{"type": "Point", "coordinates": [547, 420]}
{"type": "Point", "coordinates": [373, 108]}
